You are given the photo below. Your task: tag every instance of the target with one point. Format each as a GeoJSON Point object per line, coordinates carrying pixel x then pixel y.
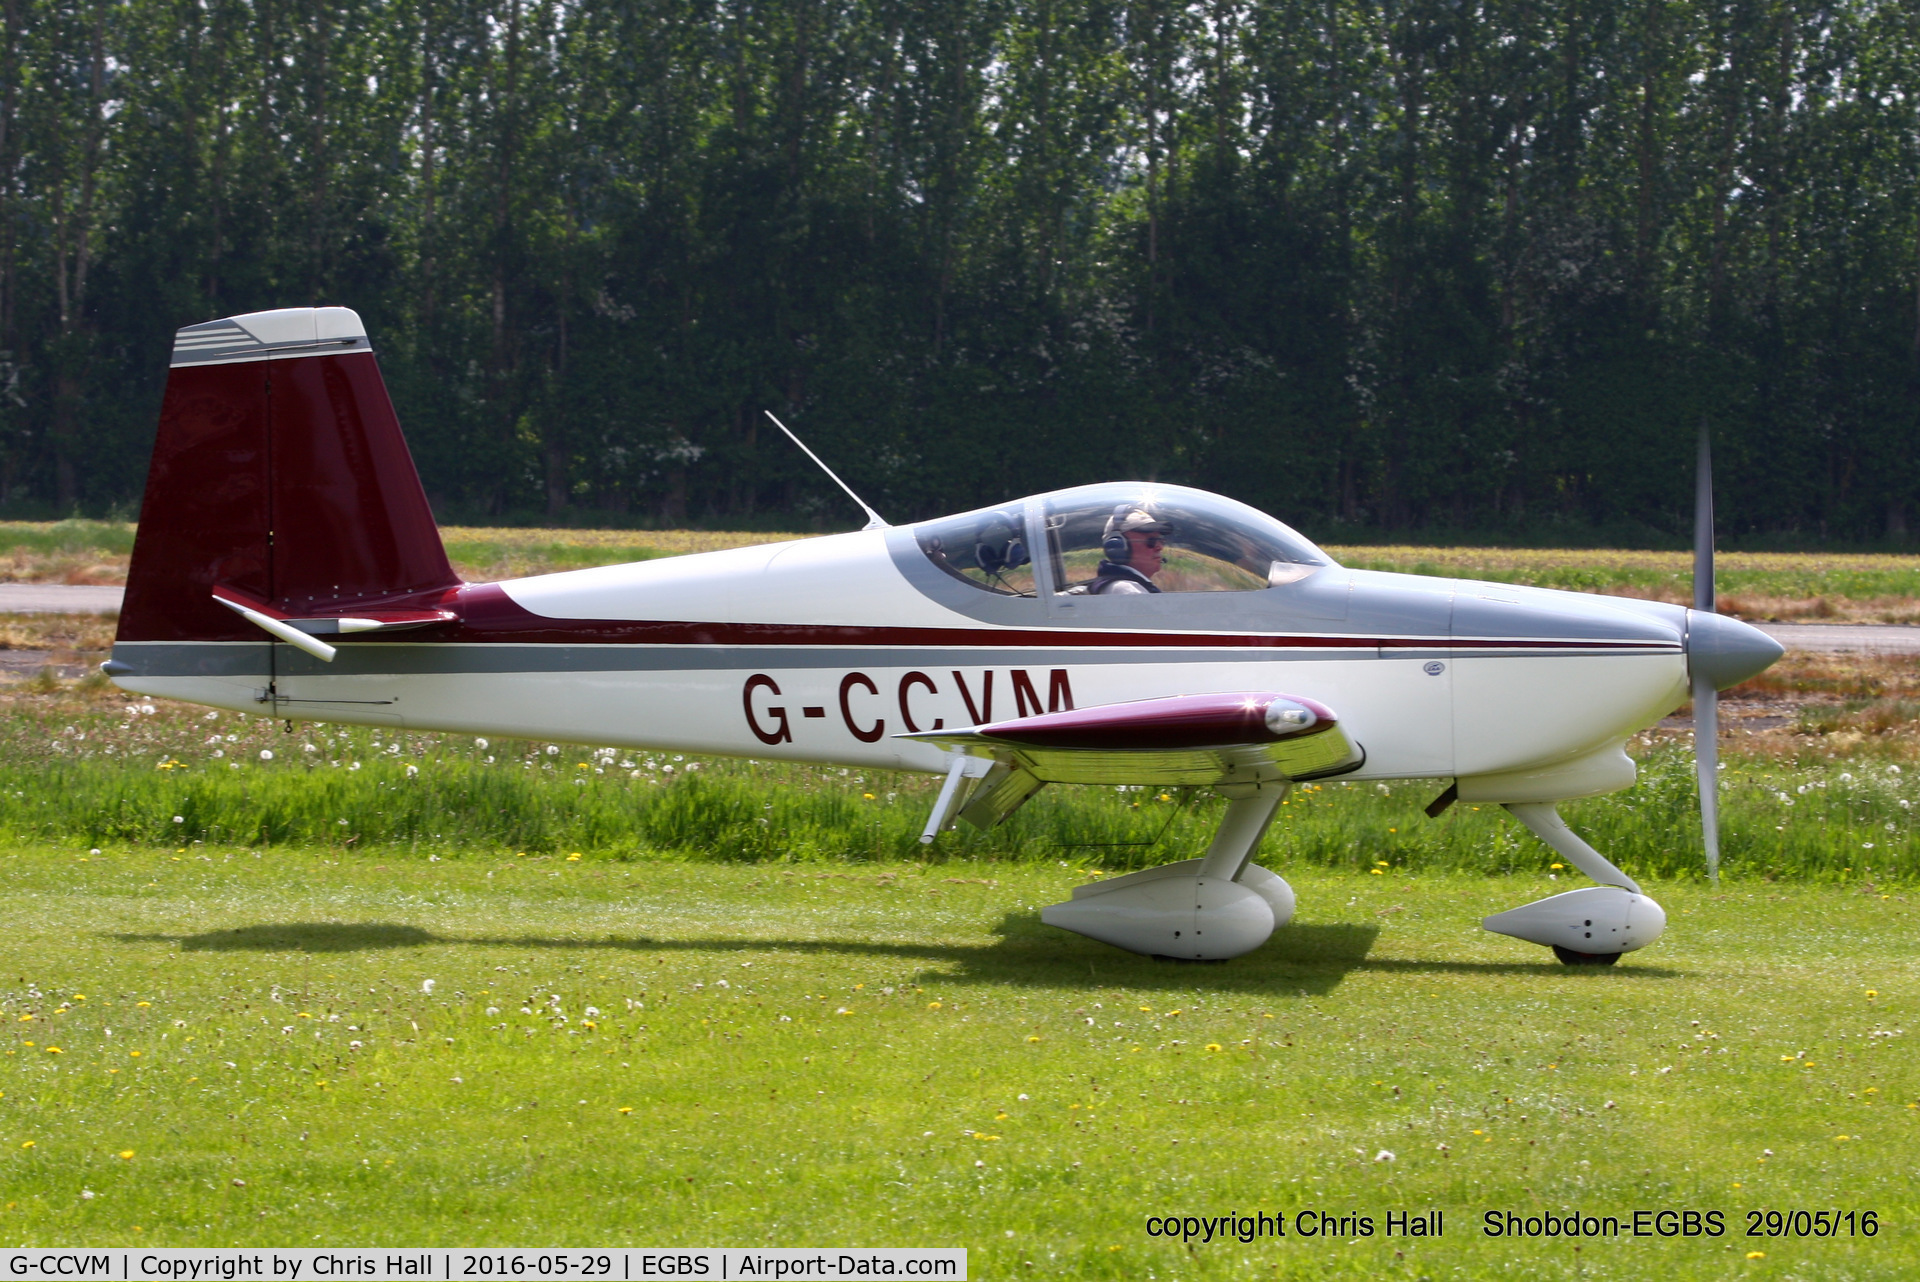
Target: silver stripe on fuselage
{"type": "Point", "coordinates": [251, 658]}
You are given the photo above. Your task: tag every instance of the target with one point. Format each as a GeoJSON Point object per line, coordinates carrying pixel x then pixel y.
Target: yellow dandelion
{"type": "Point", "coordinates": [29, 1144]}
{"type": "Point", "coordinates": [303, 1015]}
{"type": "Point", "coordinates": [866, 796]}
{"type": "Point", "coordinates": [55, 1050]}
{"type": "Point", "coordinates": [574, 858]}
{"type": "Point", "coordinates": [135, 1054]}
{"type": "Point", "coordinates": [1376, 872]}
{"type": "Point", "coordinates": [1558, 867]}
{"type": "Point", "coordinates": [79, 997]}
{"type": "Point", "coordinates": [1034, 1038]}
{"type": "Point", "coordinates": [1756, 1255]}
{"type": "Point", "coordinates": [625, 1111]}
{"type": "Point", "coordinates": [126, 1155]}
{"type": "Point", "coordinates": [143, 1003]}
{"type": "Point", "coordinates": [583, 766]}
{"type": "Point", "coordinates": [933, 1005]}
{"type": "Point", "coordinates": [1841, 1139]}
{"type": "Point", "coordinates": [999, 1117]}
{"type": "Point", "coordinates": [587, 1023]}
{"type": "Point", "coordinates": [25, 1018]}
{"type": "Point", "coordinates": [1214, 1046]}
{"type": "Point", "coordinates": [1873, 992]}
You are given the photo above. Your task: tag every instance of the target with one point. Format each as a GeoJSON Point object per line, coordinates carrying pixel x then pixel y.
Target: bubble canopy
{"type": "Point", "coordinates": [1184, 540]}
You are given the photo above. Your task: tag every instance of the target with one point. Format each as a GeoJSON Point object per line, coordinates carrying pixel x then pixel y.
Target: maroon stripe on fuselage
{"type": "Point", "coordinates": [488, 614]}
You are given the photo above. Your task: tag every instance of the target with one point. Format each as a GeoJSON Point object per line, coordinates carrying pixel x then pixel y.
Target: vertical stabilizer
{"type": "Point", "coordinates": [279, 474]}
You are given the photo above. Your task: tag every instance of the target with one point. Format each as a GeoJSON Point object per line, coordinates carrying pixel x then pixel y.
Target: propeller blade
{"type": "Point", "coordinates": [1703, 526]}
{"type": "Point", "coordinates": [1706, 699]}
{"type": "Point", "coordinates": [1706, 766]}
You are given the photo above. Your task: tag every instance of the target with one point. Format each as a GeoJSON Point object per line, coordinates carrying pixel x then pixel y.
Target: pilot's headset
{"type": "Point", "coordinates": [1125, 519]}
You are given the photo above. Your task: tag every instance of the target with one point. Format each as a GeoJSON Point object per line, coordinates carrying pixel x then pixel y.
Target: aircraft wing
{"type": "Point", "coordinates": [1187, 739]}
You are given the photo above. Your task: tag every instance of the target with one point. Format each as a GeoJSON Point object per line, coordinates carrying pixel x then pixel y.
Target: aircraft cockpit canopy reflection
{"type": "Point", "coordinates": [1173, 538]}
{"type": "Point", "coordinates": [1121, 538]}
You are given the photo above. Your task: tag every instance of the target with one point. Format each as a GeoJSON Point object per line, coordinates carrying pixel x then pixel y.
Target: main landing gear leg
{"type": "Point", "coordinates": [1587, 927]}
{"type": "Point", "coordinates": [1218, 906]}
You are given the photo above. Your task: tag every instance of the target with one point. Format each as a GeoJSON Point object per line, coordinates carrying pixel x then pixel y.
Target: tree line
{"type": "Point", "coordinates": [1385, 265]}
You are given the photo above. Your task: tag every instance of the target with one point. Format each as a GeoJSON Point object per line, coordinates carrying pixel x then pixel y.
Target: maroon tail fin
{"type": "Point", "coordinates": [279, 473]}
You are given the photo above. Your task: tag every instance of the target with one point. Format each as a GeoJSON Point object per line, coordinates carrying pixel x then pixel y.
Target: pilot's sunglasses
{"type": "Point", "coordinates": [1154, 542]}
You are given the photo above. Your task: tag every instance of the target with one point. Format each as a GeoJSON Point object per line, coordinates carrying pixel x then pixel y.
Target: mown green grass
{"type": "Point", "coordinates": [901, 1054]}
{"type": "Point", "coordinates": [108, 538]}
{"type": "Point", "coordinates": [1660, 575]}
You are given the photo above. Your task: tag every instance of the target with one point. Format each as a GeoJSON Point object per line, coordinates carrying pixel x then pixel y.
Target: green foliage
{"type": "Point", "coordinates": [131, 780]}
{"type": "Point", "coordinates": [1371, 267]}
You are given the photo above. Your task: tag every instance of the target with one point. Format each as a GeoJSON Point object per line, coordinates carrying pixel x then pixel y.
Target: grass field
{"type": "Point", "coordinates": [1845, 587]}
{"type": "Point", "coordinates": [301, 1047]}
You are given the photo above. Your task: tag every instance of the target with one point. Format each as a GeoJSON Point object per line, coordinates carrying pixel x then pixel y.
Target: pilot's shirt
{"type": "Point", "coordinates": [1114, 579]}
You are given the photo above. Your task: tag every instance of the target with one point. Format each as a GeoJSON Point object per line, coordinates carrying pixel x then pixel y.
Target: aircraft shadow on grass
{"type": "Point", "coordinates": [1303, 959]}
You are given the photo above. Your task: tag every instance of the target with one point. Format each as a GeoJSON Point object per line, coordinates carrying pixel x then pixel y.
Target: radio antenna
{"type": "Point", "coordinates": [874, 520]}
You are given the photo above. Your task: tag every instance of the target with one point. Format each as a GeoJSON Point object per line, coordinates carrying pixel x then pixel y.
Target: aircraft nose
{"type": "Point", "coordinates": [1727, 651]}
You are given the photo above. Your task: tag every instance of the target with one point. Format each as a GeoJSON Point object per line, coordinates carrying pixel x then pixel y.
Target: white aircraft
{"type": "Point", "coordinates": [1125, 633]}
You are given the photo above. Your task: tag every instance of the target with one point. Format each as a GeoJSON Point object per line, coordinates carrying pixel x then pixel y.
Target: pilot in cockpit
{"type": "Point", "coordinates": [1133, 541]}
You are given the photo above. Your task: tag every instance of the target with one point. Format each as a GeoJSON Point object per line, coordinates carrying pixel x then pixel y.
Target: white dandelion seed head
{"type": "Point", "coordinates": [266, 754]}
{"type": "Point", "coordinates": [426, 986]}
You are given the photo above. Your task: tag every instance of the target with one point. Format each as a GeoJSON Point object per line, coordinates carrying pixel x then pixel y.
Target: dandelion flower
{"type": "Point", "coordinates": [1873, 992]}
{"type": "Point", "coordinates": [1034, 1038]}
{"type": "Point", "coordinates": [55, 1050]}
{"type": "Point", "coordinates": [574, 858]}
{"type": "Point", "coordinates": [29, 1144]}
{"type": "Point", "coordinates": [625, 1111]}
{"type": "Point", "coordinates": [933, 1005]}
{"type": "Point", "coordinates": [126, 1155]}
{"type": "Point", "coordinates": [1756, 1255]}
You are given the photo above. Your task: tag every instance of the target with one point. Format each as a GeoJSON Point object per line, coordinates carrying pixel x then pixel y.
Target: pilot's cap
{"type": "Point", "coordinates": [1127, 518]}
